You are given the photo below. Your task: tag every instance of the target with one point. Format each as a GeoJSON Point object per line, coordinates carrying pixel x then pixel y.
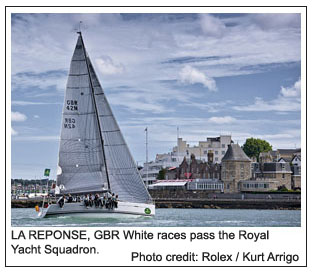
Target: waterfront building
{"type": "Point", "coordinates": [296, 177]}
{"type": "Point", "coordinates": [169, 185]}
{"type": "Point", "coordinates": [255, 169]}
{"type": "Point", "coordinates": [215, 145]}
{"type": "Point", "coordinates": [151, 169]}
{"type": "Point", "coordinates": [236, 166]}
{"type": "Point", "coordinates": [258, 185]}
{"type": "Point", "coordinates": [213, 148]}
{"type": "Point", "coordinates": [214, 185]}
{"type": "Point", "coordinates": [279, 155]}
{"type": "Point", "coordinates": [195, 168]}
{"type": "Point", "coordinates": [296, 160]}
{"type": "Point", "coordinates": [288, 172]}
{"type": "Point", "coordinates": [288, 154]}
{"type": "Point", "coordinates": [280, 172]}
{"type": "Point", "coordinates": [265, 157]}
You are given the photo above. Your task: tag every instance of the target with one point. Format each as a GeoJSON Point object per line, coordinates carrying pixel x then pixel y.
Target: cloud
{"type": "Point", "coordinates": [36, 116]}
{"type": "Point", "coordinates": [293, 91]}
{"type": "Point", "coordinates": [189, 74]}
{"type": "Point", "coordinates": [212, 26]}
{"type": "Point", "coordinates": [43, 80]}
{"type": "Point", "coordinates": [13, 132]}
{"type": "Point", "coordinates": [108, 67]}
{"type": "Point", "coordinates": [222, 120]}
{"type": "Point", "coordinates": [269, 21]}
{"type": "Point", "coordinates": [18, 117]}
{"type": "Point", "coordinates": [162, 130]}
{"type": "Point", "coordinates": [41, 138]}
{"type": "Point", "coordinates": [140, 101]}
{"type": "Point", "coordinates": [287, 100]}
{"type": "Point", "coordinates": [25, 103]}
{"type": "Point", "coordinates": [51, 41]}
{"type": "Point", "coordinates": [136, 48]}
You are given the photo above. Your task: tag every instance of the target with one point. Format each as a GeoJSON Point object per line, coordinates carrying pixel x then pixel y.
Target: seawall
{"type": "Point", "coordinates": [208, 199]}
{"type": "Point", "coordinates": [229, 204]}
{"type": "Point", "coordinates": [205, 199]}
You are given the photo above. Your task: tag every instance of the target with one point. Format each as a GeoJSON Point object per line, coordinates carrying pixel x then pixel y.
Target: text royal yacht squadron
{"type": "Point", "coordinates": [94, 158]}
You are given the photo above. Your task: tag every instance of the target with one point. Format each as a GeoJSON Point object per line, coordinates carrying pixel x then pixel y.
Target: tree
{"type": "Point", "coordinates": [253, 147]}
{"type": "Point", "coordinates": [161, 174]}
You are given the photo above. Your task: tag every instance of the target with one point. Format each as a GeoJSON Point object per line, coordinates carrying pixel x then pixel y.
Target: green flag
{"type": "Point", "coordinates": [47, 172]}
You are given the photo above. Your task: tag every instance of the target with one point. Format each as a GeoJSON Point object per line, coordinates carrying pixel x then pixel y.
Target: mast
{"type": "Point", "coordinates": [96, 111]}
{"type": "Point", "coordinates": [146, 144]}
{"type": "Point", "coordinates": [178, 152]}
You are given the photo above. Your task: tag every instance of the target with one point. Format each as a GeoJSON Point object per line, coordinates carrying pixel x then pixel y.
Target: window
{"type": "Point", "coordinates": [216, 159]}
{"type": "Point", "coordinates": [242, 174]}
{"type": "Point", "coordinates": [223, 145]}
{"type": "Point", "coordinates": [216, 152]}
{"type": "Point", "coordinates": [228, 186]}
{"type": "Point", "coordinates": [205, 152]}
{"type": "Point", "coordinates": [223, 152]}
{"type": "Point", "coordinates": [283, 175]}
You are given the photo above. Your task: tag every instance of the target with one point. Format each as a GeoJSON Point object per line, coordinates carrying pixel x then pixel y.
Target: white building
{"type": "Point", "coordinates": [216, 146]}
{"type": "Point", "coordinates": [151, 169]}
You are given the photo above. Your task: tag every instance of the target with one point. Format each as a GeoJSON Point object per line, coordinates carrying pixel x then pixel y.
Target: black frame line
{"type": "Point", "coordinates": [306, 126]}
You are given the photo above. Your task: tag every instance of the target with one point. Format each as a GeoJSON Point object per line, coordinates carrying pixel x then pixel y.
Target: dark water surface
{"type": "Point", "coordinates": [170, 218]}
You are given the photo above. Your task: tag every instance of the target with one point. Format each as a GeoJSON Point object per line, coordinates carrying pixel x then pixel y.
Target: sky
{"type": "Point", "coordinates": [208, 74]}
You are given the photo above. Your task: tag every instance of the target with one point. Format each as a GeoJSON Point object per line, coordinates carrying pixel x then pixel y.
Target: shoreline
{"type": "Point", "coordinates": [230, 204]}
{"type": "Point", "coordinates": [273, 204]}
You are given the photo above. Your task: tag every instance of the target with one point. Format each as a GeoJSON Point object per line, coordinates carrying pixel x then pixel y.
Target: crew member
{"type": "Point", "coordinates": [70, 198]}
{"type": "Point", "coordinates": [116, 202]}
{"type": "Point", "coordinates": [61, 201]}
{"type": "Point", "coordinates": [86, 201]}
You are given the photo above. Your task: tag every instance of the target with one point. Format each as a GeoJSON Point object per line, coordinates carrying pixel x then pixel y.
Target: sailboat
{"type": "Point", "coordinates": [93, 155]}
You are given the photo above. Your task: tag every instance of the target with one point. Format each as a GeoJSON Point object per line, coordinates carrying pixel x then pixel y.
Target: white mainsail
{"type": "Point", "coordinates": [93, 154]}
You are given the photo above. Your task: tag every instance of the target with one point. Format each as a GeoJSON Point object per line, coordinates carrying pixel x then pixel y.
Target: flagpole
{"type": "Point", "coordinates": [146, 144]}
{"type": "Point", "coordinates": [178, 151]}
{"type": "Point", "coordinates": [46, 173]}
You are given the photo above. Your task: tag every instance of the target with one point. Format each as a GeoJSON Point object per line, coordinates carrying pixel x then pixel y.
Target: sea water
{"type": "Point", "coordinates": [169, 218]}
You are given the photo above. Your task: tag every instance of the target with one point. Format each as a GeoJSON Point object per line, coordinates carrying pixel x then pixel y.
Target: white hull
{"type": "Point", "coordinates": [78, 209]}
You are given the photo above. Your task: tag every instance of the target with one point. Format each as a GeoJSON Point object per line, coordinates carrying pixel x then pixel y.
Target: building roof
{"type": "Point", "coordinates": [235, 153]}
{"type": "Point", "coordinates": [217, 139]}
{"type": "Point", "coordinates": [289, 151]}
{"type": "Point", "coordinates": [276, 167]}
{"type": "Point", "coordinates": [298, 156]}
{"type": "Point", "coordinates": [169, 183]}
{"type": "Point", "coordinates": [206, 180]}
{"type": "Point", "coordinates": [286, 160]}
{"type": "Point", "coordinates": [274, 153]}
{"type": "Point", "coordinates": [213, 139]}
